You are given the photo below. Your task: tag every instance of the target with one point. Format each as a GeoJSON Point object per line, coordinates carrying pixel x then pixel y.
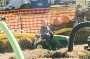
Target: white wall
{"type": "Point", "coordinates": [2, 3]}
{"type": "Point", "coordinates": [52, 1]}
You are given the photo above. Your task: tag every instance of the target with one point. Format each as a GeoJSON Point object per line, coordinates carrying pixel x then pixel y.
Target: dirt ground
{"type": "Point", "coordinates": [25, 43]}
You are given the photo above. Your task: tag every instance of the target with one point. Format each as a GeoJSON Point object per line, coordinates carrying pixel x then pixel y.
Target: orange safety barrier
{"type": "Point", "coordinates": [29, 20]}
{"type": "Point", "coordinates": [34, 11]}
{"type": "Point", "coordinates": [3, 13]}
{"type": "Point", "coordinates": [14, 12]}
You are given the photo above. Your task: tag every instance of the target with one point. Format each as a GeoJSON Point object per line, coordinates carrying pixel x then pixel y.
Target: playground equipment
{"type": "Point", "coordinates": [12, 41]}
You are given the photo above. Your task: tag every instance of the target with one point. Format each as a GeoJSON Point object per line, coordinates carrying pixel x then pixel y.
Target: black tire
{"type": "Point", "coordinates": [35, 43]}
{"type": "Point", "coordinates": [41, 45]}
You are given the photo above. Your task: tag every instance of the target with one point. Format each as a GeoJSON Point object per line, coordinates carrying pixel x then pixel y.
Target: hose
{"type": "Point", "coordinates": [73, 32]}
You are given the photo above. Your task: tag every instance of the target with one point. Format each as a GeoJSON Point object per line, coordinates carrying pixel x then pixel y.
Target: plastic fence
{"type": "Point", "coordinates": [29, 20]}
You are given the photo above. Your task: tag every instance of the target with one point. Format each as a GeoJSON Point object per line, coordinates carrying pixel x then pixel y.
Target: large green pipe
{"type": "Point", "coordinates": [12, 40]}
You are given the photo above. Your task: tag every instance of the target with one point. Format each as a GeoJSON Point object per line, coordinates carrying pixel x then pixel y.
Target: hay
{"type": "Point", "coordinates": [24, 42]}
{"type": "Point", "coordinates": [37, 53]}
{"type": "Point", "coordinates": [49, 54]}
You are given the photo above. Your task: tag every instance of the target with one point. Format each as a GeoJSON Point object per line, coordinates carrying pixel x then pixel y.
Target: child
{"type": "Point", "coordinates": [45, 31]}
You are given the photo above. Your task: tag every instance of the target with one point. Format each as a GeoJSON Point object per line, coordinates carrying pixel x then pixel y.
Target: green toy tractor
{"type": "Point", "coordinates": [59, 41]}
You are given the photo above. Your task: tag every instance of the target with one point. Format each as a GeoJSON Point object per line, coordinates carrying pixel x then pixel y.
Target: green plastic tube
{"type": "Point", "coordinates": [12, 40]}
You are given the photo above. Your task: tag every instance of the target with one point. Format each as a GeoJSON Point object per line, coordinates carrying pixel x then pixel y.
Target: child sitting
{"type": "Point", "coordinates": [45, 31]}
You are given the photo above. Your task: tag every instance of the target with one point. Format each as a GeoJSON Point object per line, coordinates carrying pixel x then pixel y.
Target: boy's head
{"type": "Point", "coordinates": [44, 22]}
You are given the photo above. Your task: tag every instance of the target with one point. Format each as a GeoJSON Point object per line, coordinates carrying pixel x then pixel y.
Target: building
{"type": "Point", "coordinates": [57, 1]}
{"type": "Point", "coordinates": [4, 3]}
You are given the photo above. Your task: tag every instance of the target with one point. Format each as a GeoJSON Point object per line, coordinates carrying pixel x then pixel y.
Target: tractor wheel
{"type": "Point", "coordinates": [41, 45]}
